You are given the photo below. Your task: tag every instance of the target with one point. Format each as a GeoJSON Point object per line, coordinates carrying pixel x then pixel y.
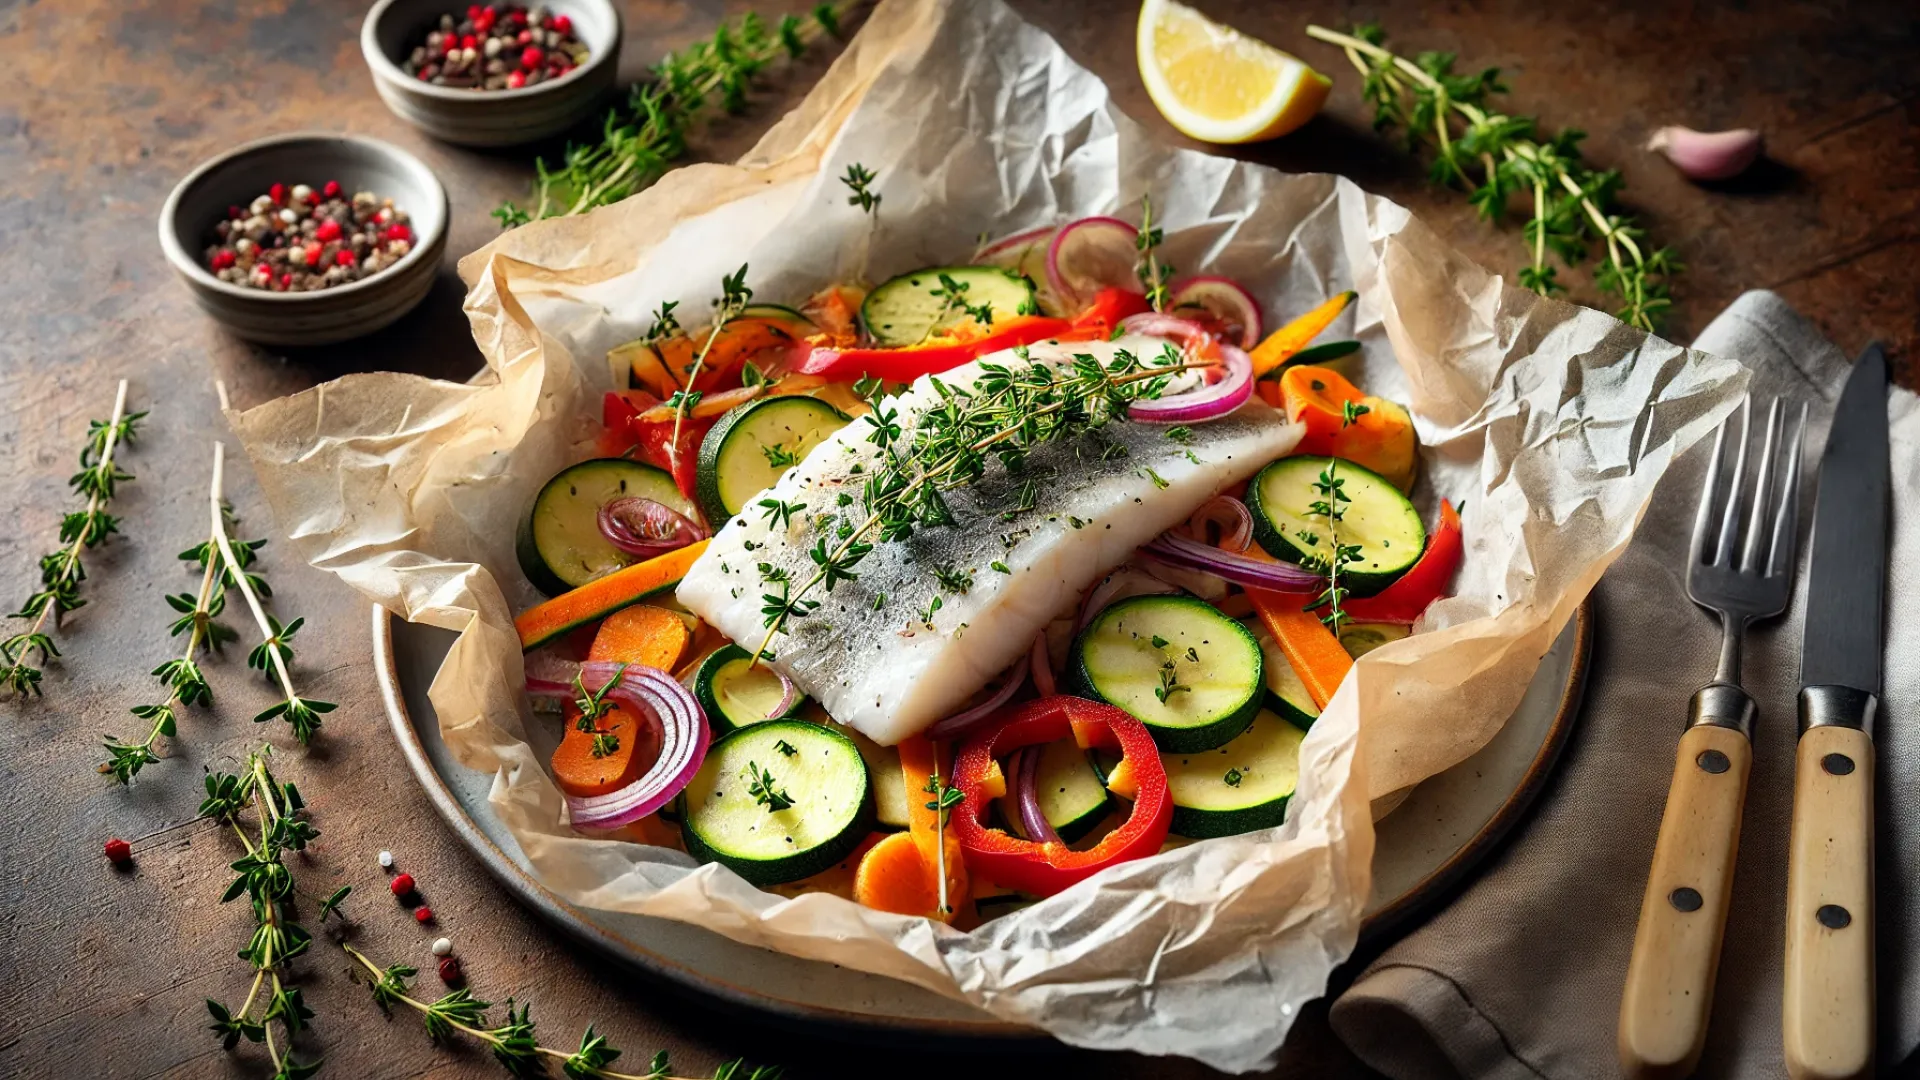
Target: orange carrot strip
{"type": "Point", "coordinates": [642, 634]}
{"type": "Point", "coordinates": [918, 755]}
{"type": "Point", "coordinates": [895, 877]}
{"type": "Point", "coordinates": [580, 773]}
{"type": "Point", "coordinates": [1294, 336]}
{"type": "Point", "coordinates": [1316, 655]}
{"type": "Point", "coordinates": [602, 597]}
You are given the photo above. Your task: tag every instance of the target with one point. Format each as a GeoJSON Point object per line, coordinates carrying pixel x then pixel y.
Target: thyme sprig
{"type": "Point", "coordinates": [301, 714]}
{"type": "Point", "coordinates": [186, 684]}
{"type": "Point", "coordinates": [641, 140]}
{"type": "Point", "coordinates": [262, 876]}
{"type": "Point", "coordinates": [1153, 273]}
{"type": "Point", "coordinates": [1495, 157]}
{"type": "Point", "coordinates": [61, 571]}
{"type": "Point", "coordinates": [859, 180]}
{"type": "Point", "coordinates": [734, 297]}
{"type": "Point", "coordinates": [1008, 414]}
{"type": "Point", "coordinates": [762, 786]}
{"type": "Point", "coordinates": [945, 798]}
{"type": "Point", "coordinates": [1332, 506]}
{"type": "Point", "coordinates": [514, 1043]}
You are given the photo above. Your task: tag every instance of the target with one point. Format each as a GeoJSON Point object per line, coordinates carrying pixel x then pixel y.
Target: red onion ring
{"type": "Point", "coordinates": [1206, 402]}
{"type": "Point", "coordinates": [1278, 577]}
{"type": "Point", "coordinates": [1232, 517]}
{"type": "Point", "coordinates": [646, 528]}
{"type": "Point", "coordinates": [1113, 235]}
{"type": "Point", "coordinates": [1223, 299]}
{"type": "Point", "coordinates": [1021, 245]}
{"type": "Point", "coordinates": [1194, 340]}
{"type": "Point", "coordinates": [1041, 665]}
{"type": "Point", "coordinates": [960, 723]}
{"type": "Point", "coordinates": [654, 696]}
{"type": "Point", "coordinates": [1103, 595]}
{"type": "Point", "coordinates": [1026, 786]}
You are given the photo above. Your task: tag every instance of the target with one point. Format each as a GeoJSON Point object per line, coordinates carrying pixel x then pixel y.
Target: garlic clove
{"type": "Point", "coordinates": [1708, 155]}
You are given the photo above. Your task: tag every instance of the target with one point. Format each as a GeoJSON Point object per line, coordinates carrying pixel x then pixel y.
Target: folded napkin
{"type": "Point", "coordinates": [1520, 976]}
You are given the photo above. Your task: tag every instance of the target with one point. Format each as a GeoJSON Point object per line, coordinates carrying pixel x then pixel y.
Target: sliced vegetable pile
{"type": "Point", "coordinates": [1169, 705]}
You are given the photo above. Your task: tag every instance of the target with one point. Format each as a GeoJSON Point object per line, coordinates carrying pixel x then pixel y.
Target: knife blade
{"type": "Point", "coordinates": [1846, 581]}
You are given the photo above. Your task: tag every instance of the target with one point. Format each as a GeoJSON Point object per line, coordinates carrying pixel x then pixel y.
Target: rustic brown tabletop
{"type": "Point", "coordinates": [104, 973]}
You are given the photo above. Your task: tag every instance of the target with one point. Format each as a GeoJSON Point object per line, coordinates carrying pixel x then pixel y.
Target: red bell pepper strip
{"type": "Point", "coordinates": [1110, 305]}
{"type": "Point", "coordinates": [1045, 869]}
{"type": "Point", "coordinates": [1404, 600]}
{"type": "Point", "coordinates": [941, 354]}
{"type": "Point", "coordinates": [652, 439]}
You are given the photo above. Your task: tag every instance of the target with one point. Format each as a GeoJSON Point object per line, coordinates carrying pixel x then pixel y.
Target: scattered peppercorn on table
{"type": "Point", "coordinates": [114, 103]}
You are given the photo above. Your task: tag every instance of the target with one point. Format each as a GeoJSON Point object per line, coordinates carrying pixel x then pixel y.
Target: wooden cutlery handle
{"type": "Point", "coordinates": [1827, 1020]}
{"type": "Point", "coordinates": [1676, 948]}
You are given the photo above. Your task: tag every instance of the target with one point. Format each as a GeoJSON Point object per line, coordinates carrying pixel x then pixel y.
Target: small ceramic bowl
{"type": "Point", "coordinates": [489, 117]}
{"type": "Point", "coordinates": [325, 315]}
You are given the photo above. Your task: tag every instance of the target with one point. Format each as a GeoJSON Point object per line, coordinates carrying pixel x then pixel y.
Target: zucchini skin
{"type": "Point", "coordinates": [1207, 824]}
{"type": "Point", "coordinates": [1279, 545]}
{"type": "Point", "coordinates": [802, 864]}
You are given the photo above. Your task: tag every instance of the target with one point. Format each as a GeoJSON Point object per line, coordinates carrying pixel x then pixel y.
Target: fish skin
{"type": "Point", "coordinates": [883, 671]}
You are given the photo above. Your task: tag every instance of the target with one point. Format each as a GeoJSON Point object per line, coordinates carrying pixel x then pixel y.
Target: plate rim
{"type": "Point", "coordinates": [1436, 885]}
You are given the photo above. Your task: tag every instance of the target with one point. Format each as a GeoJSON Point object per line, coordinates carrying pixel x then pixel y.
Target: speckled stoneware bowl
{"type": "Point", "coordinates": [492, 117]}
{"type": "Point", "coordinates": [326, 315]}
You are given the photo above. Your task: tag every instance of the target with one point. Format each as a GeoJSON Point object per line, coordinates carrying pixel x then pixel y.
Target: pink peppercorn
{"type": "Point", "coordinates": [423, 914]}
{"type": "Point", "coordinates": [327, 230]}
{"type": "Point", "coordinates": [119, 852]}
{"type": "Point", "coordinates": [398, 231]}
{"type": "Point", "coordinates": [468, 41]}
{"type": "Point", "coordinates": [332, 190]}
{"type": "Point", "coordinates": [532, 57]}
{"type": "Point", "coordinates": [224, 258]}
{"type": "Point", "coordinates": [278, 193]}
{"type": "Point", "coordinates": [235, 213]}
{"type": "Point", "coordinates": [286, 281]}
{"type": "Point", "coordinates": [402, 884]}
{"type": "Point", "coordinates": [516, 80]}
{"type": "Point", "coordinates": [313, 255]}
{"type": "Point", "coordinates": [450, 971]}
{"type": "Point", "coordinates": [345, 257]}
{"type": "Point", "coordinates": [525, 37]}
{"type": "Point", "coordinates": [561, 24]}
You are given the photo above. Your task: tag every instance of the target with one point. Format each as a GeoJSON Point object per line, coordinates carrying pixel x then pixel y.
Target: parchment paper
{"type": "Point", "coordinates": [1551, 423]}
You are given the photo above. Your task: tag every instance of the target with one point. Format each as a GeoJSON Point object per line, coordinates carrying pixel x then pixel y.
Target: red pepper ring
{"type": "Point", "coordinates": [1045, 869]}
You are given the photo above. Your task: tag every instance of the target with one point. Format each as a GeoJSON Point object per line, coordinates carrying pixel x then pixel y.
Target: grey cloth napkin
{"type": "Point", "coordinates": [1520, 976]}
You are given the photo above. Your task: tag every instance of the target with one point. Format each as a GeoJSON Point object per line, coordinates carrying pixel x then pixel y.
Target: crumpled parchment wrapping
{"type": "Point", "coordinates": [1552, 423]}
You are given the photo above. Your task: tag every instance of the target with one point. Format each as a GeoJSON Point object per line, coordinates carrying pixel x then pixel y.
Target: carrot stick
{"type": "Point", "coordinates": [919, 760]}
{"type": "Point", "coordinates": [580, 773]}
{"type": "Point", "coordinates": [895, 877]}
{"type": "Point", "coordinates": [602, 597]}
{"type": "Point", "coordinates": [1316, 655]}
{"type": "Point", "coordinates": [1294, 336]}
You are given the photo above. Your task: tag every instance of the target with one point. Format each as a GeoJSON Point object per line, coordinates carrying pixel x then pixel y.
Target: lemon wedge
{"type": "Point", "coordinates": [1218, 85]}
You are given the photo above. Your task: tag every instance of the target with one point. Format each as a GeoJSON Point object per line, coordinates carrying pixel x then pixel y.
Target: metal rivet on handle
{"type": "Point", "coordinates": [1833, 916]}
{"type": "Point", "coordinates": [1837, 764]}
{"type": "Point", "coordinates": [1685, 899]}
{"type": "Point", "coordinates": [1713, 761]}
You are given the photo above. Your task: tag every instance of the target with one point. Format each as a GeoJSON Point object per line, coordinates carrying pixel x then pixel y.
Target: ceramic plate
{"type": "Point", "coordinates": [1426, 847]}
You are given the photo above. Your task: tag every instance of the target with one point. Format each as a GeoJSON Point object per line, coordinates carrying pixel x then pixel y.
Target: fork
{"type": "Point", "coordinates": [1740, 578]}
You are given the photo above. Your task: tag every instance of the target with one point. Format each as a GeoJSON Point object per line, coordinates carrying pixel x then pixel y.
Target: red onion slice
{"type": "Point", "coordinates": [1091, 254]}
{"type": "Point", "coordinates": [1225, 301]}
{"type": "Point", "coordinates": [1206, 402]}
{"type": "Point", "coordinates": [1027, 795]}
{"type": "Point", "coordinates": [1279, 577]}
{"type": "Point", "coordinates": [1230, 516]}
{"type": "Point", "coordinates": [1040, 664]}
{"type": "Point", "coordinates": [646, 528]}
{"type": "Point", "coordinates": [957, 725]}
{"type": "Point", "coordinates": [1024, 252]}
{"type": "Point", "coordinates": [650, 694]}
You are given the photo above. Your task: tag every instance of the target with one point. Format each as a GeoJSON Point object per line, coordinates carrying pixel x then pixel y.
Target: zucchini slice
{"type": "Point", "coordinates": [1073, 797]}
{"type": "Point", "coordinates": [733, 695]}
{"type": "Point", "coordinates": [825, 778]}
{"type": "Point", "coordinates": [560, 546]}
{"type": "Point", "coordinates": [1194, 676]}
{"type": "Point", "coordinates": [754, 445]}
{"type": "Point", "coordinates": [1239, 787]}
{"type": "Point", "coordinates": [1376, 517]}
{"type": "Point", "coordinates": [905, 311]}
{"type": "Point", "coordinates": [1361, 638]}
{"type": "Point", "coordinates": [889, 784]}
{"type": "Point", "coordinates": [1286, 695]}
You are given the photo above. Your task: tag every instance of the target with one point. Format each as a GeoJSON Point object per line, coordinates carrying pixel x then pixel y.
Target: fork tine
{"type": "Point", "coordinates": [1703, 517]}
{"type": "Point", "coordinates": [1730, 517]}
{"type": "Point", "coordinates": [1756, 539]}
{"type": "Point", "coordinates": [1786, 520]}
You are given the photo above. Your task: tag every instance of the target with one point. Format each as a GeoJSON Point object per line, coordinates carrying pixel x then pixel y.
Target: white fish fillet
{"type": "Point", "coordinates": [875, 664]}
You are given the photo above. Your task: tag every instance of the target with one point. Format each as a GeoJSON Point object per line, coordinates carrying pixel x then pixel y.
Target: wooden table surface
{"type": "Point", "coordinates": [104, 973]}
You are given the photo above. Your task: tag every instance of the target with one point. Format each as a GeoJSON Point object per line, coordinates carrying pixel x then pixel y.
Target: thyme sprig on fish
{"type": "Point", "coordinates": [514, 1043]}
{"type": "Point", "coordinates": [61, 571]}
{"type": "Point", "coordinates": [1007, 414]}
{"type": "Point", "coordinates": [734, 297]}
{"type": "Point", "coordinates": [1495, 157]}
{"type": "Point", "coordinates": [641, 140]}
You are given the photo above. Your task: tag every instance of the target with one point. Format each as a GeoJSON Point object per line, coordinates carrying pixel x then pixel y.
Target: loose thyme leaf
{"type": "Point", "coordinates": [857, 180]}
{"type": "Point", "coordinates": [760, 784]}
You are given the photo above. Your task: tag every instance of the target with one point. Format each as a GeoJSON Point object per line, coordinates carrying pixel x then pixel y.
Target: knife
{"type": "Point", "coordinates": [1827, 1021]}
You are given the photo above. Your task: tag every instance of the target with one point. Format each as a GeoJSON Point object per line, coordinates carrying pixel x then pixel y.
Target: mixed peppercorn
{"type": "Point", "coordinates": [497, 47]}
{"type": "Point", "coordinates": [296, 239]}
